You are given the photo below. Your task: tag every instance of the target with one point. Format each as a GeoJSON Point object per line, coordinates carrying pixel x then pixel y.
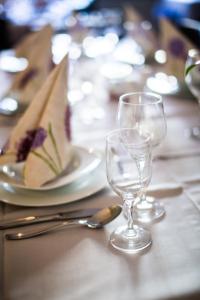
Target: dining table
{"type": "Point", "coordinates": [79, 262]}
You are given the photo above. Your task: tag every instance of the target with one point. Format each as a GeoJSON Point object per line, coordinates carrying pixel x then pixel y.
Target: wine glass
{"type": "Point", "coordinates": [128, 162]}
{"type": "Point", "coordinates": [192, 78]}
{"type": "Point", "coordinates": [144, 112]}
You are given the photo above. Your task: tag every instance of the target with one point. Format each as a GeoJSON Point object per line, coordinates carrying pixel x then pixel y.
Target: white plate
{"type": "Point", "coordinates": [80, 189]}
{"type": "Point", "coordinates": [83, 162]}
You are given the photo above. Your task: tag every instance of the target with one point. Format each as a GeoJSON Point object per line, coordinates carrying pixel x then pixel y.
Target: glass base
{"type": "Point", "coordinates": [128, 241]}
{"type": "Point", "coordinates": [148, 210]}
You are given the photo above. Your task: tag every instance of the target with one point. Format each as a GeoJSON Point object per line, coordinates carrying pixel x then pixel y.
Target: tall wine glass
{"type": "Point", "coordinates": [144, 112]}
{"type": "Point", "coordinates": [128, 161]}
{"type": "Point", "coordinates": [192, 78]}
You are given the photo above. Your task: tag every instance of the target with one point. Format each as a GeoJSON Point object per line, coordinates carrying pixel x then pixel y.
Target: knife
{"type": "Point", "coordinates": [68, 215]}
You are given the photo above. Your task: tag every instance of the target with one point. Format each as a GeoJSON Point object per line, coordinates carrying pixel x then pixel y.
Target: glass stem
{"type": "Point", "coordinates": [143, 195]}
{"type": "Point", "coordinates": [129, 206]}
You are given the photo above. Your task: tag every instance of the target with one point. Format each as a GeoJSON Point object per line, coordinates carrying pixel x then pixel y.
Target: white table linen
{"type": "Point", "coordinates": [79, 263]}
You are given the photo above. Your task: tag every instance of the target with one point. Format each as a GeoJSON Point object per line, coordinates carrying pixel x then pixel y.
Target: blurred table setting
{"type": "Point", "coordinates": [59, 110]}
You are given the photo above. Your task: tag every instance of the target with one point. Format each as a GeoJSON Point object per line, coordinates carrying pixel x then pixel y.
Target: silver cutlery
{"type": "Point", "coordinates": [34, 219]}
{"type": "Point", "coordinates": [98, 220]}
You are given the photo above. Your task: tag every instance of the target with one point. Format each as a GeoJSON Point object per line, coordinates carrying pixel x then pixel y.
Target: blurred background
{"type": "Point", "coordinates": [17, 17]}
{"type": "Point", "coordinates": [114, 46]}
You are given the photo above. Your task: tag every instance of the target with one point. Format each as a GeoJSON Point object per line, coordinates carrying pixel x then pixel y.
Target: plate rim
{"type": "Point", "coordinates": [97, 154]}
{"type": "Point", "coordinates": [94, 185]}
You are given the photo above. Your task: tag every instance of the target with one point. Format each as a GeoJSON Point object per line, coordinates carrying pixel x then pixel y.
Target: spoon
{"type": "Point", "coordinates": [98, 220]}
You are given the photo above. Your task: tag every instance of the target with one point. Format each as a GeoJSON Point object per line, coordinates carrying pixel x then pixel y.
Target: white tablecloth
{"type": "Point", "coordinates": [79, 263]}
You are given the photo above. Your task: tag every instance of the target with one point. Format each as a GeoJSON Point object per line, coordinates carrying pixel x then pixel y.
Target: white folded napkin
{"type": "Point", "coordinates": [37, 49]}
{"type": "Point", "coordinates": [41, 136]}
{"type": "Point", "coordinates": [176, 46]}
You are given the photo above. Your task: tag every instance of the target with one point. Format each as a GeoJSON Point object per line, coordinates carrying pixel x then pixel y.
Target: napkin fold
{"type": "Point", "coordinates": [131, 15]}
{"type": "Point", "coordinates": [37, 49]}
{"type": "Point", "coordinates": [24, 47]}
{"type": "Point", "coordinates": [176, 46]}
{"type": "Point", "coordinates": [41, 137]}
{"type": "Point", "coordinates": [141, 30]}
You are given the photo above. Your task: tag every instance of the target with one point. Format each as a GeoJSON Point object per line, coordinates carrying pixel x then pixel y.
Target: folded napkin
{"type": "Point", "coordinates": [37, 49]}
{"type": "Point", "coordinates": [24, 47]}
{"type": "Point", "coordinates": [41, 137]}
{"type": "Point", "coordinates": [131, 15]}
{"type": "Point", "coordinates": [141, 30]}
{"type": "Point", "coordinates": [176, 46]}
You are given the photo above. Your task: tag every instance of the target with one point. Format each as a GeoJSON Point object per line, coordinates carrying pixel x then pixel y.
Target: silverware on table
{"type": "Point", "coordinates": [99, 219]}
{"type": "Point", "coordinates": [34, 219]}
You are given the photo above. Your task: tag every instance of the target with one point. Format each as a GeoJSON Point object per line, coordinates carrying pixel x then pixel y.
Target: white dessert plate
{"type": "Point", "coordinates": [84, 161]}
{"type": "Point", "coordinates": [79, 189]}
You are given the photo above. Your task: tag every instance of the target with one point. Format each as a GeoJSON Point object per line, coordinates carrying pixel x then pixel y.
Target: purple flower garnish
{"type": "Point", "coordinates": [177, 48]}
{"type": "Point", "coordinates": [40, 136]}
{"type": "Point", "coordinates": [33, 139]}
{"type": "Point", "coordinates": [25, 144]}
{"type": "Point", "coordinates": [68, 122]}
{"type": "Point", "coordinates": [27, 77]}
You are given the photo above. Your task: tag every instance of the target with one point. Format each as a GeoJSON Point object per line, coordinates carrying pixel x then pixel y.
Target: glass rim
{"type": "Point", "coordinates": [157, 96]}
{"type": "Point", "coordinates": [113, 133]}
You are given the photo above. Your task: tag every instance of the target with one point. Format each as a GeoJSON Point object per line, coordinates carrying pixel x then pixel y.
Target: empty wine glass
{"type": "Point", "coordinates": [192, 78]}
{"type": "Point", "coordinates": [144, 112]}
{"type": "Point", "coordinates": [128, 161]}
